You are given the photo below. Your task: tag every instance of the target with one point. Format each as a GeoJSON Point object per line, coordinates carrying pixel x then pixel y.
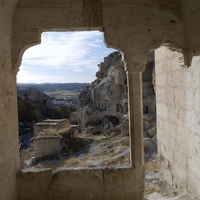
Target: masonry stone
{"type": "Point", "coordinates": [179, 125]}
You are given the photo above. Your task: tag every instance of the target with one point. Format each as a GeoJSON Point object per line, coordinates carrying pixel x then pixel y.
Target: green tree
{"type": "Point", "coordinates": [61, 112]}
{"type": "Point", "coordinates": [27, 111]}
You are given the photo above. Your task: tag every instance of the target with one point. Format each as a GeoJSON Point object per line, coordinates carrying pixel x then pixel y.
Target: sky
{"type": "Point", "coordinates": [64, 57]}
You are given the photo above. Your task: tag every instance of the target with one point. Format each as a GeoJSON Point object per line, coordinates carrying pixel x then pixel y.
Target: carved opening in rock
{"type": "Point", "coordinates": [118, 107]}
{"type": "Point", "coordinates": [145, 109]}
{"type": "Point", "coordinates": [113, 119]}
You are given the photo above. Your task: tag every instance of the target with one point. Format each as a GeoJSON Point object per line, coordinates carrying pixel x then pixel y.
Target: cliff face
{"type": "Point", "coordinates": [104, 102]}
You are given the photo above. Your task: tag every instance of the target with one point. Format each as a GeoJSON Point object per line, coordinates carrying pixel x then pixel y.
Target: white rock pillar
{"type": "Point", "coordinates": [134, 78]}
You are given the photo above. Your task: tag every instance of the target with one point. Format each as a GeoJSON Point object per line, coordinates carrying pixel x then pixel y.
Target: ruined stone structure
{"type": "Point", "coordinates": [47, 140]}
{"type": "Point", "coordinates": [50, 124]}
{"type": "Point", "coordinates": [53, 141]}
{"type": "Point", "coordinates": [73, 118]}
{"type": "Point", "coordinates": [134, 27]}
{"type": "Point", "coordinates": [46, 146]}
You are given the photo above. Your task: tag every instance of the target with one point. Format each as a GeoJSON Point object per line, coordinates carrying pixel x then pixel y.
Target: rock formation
{"type": "Point", "coordinates": [103, 104]}
{"type": "Point", "coordinates": [149, 108]}
{"type": "Point", "coordinates": [34, 95]}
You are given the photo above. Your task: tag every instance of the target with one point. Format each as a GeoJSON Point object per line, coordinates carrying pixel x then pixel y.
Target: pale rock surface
{"type": "Point", "coordinates": [125, 127]}
{"type": "Point", "coordinates": [158, 196]}
{"type": "Point", "coordinates": [125, 141]}
{"type": "Point", "coordinates": [105, 101]}
{"type": "Point", "coordinates": [152, 132]}
{"type": "Point", "coordinates": [102, 102]}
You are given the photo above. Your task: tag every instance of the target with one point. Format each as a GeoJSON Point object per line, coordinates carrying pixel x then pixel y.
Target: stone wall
{"type": "Point", "coordinates": [74, 117]}
{"type": "Point", "coordinates": [46, 146]}
{"type": "Point", "coordinates": [84, 184]}
{"type": "Point", "coordinates": [9, 158]}
{"type": "Point", "coordinates": [50, 124]}
{"type": "Point", "coordinates": [178, 124]}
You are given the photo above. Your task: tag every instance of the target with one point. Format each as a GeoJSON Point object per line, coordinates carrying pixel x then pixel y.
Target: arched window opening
{"type": "Point", "coordinates": [69, 106]}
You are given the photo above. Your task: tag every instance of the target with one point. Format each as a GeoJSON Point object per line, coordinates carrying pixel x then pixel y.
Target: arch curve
{"type": "Point", "coordinates": [22, 40]}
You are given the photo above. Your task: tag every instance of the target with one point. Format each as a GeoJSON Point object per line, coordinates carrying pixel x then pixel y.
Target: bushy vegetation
{"type": "Point", "coordinates": [60, 112]}
{"type": "Point", "coordinates": [27, 111]}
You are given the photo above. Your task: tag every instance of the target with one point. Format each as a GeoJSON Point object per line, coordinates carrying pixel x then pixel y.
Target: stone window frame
{"type": "Point", "coordinates": [32, 37]}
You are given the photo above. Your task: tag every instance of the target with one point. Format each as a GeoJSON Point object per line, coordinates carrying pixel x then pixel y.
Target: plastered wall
{"type": "Point", "coordinates": [178, 122]}
{"type": "Point", "coordinates": [9, 156]}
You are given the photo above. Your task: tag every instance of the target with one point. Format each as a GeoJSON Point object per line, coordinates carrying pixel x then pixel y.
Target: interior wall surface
{"type": "Point", "coordinates": [178, 124]}
{"type": "Point", "coordinates": [9, 156]}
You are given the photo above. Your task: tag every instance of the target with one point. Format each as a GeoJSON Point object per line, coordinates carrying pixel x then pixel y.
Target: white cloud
{"type": "Point", "coordinates": [26, 77]}
{"type": "Point", "coordinates": [76, 51]}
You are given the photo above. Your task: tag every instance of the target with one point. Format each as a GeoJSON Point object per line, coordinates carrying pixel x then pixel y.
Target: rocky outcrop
{"type": "Point", "coordinates": [149, 108]}
{"type": "Point", "coordinates": [36, 96]}
{"type": "Point", "coordinates": [105, 100]}
{"type": "Point", "coordinates": [42, 104]}
{"type": "Point", "coordinates": [103, 104]}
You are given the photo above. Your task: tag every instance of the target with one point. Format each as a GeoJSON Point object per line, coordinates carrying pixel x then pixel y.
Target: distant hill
{"type": "Point", "coordinates": [49, 87]}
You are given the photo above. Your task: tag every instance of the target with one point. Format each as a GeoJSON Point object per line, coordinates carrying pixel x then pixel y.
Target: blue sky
{"type": "Point", "coordinates": [64, 57]}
